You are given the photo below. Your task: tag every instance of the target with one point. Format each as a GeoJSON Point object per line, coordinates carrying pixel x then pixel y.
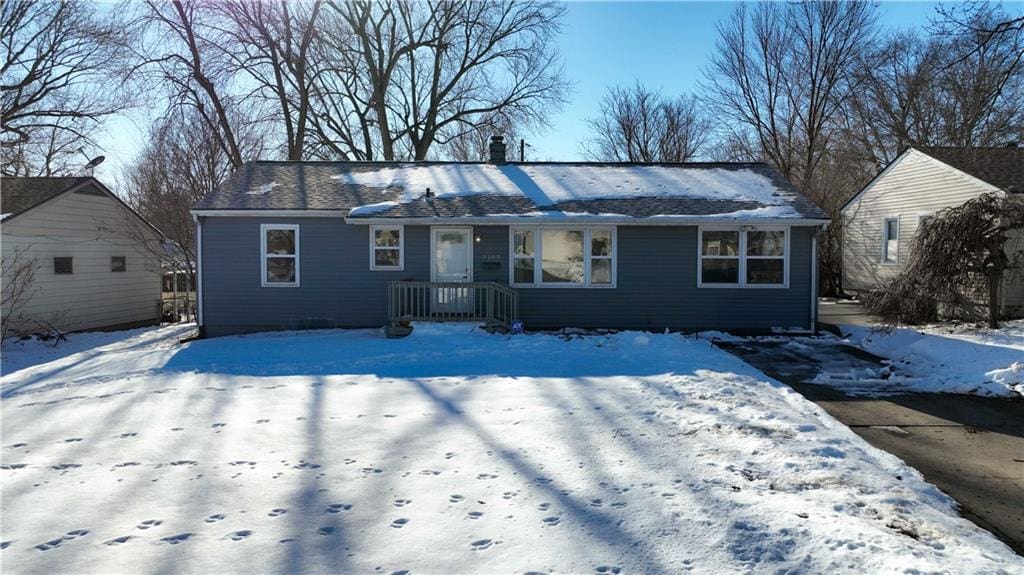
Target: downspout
{"type": "Point", "coordinates": [199, 273]}
{"type": "Point", "coordinates": [814, 279]}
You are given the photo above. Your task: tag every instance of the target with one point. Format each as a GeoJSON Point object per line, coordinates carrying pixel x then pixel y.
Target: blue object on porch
{"type": "Point", "coordinates": [517, 326]}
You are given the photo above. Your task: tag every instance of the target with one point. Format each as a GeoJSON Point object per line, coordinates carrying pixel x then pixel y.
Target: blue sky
{"type": "Point", "coordinates": [662, 45]}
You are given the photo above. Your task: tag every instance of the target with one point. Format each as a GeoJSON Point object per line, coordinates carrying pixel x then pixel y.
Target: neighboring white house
{"type": "Point", "coordinates": [92, 270]}
{"type": "Point", "coordinates": [880, 222]}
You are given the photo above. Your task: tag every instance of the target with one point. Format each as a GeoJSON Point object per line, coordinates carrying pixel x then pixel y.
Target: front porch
{"type": "Point", "coordinates": [494, 304]}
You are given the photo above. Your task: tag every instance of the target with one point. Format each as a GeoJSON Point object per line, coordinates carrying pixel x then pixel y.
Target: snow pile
{"type": "Point", "coordinates": [451, 451]}
{"type": "Point", "coordinates": [263, 189]}
{"type": "Point", "coordinates": [549, 184]}
{"type": "Point", "coordinates": [951, 359]}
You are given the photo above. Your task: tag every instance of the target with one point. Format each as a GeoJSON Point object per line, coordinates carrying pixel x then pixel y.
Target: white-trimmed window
{"type": "Point", "coordinates": [279, 250]}
{"type": "Point", "coordinates": [743, 258]}
{"type": "Point", "coordinates": [562, 257]}
{"type": "Point", "coordinates": [890, 240]}
{"type": "Point", "coordinates": [387, 248]}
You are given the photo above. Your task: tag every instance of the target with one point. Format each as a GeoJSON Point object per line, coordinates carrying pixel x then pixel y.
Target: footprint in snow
{"type": "Point", "coordinates": [456, 498]}
{"type": "Point", "coordinates": [325, 530]}
{"type": "Point", "coordinates": [14, 466]}
{"type": "Point", "coordinates": [176, 539]}
{"type": "Point", "coordinates": [64, 466]}
{"type": "Point", "coordinates": [72, 440]}
{"type": "Point", "coordinates": [149, 523]}
{"type": "Point", "coordinates": [126, 435]}
{"type": "Point", "coordinates": [429, 472]}
{"type": "Point", "coordinates": [614, 569]}
{"type": "Point", "coordinates": [17, 445]}
{"type": "Point", "coordinates": [306, 465]}
{"type": "Point", "coordinates": [486, 476]}
{"type": "Point", "coordinates": [619, 504]}
{"type": "Point", "coordinates": [262, 421]}
{"type": "Point", "coordinates": [369, 470]}
{"type": "Point", "coordinates": [449, 455]}
{"type": "Point", "coordinates": [338, 507]}
{"type": "Point", "coordinates": [596, 502]}
{"type": "Point", "coordinates": [475, 514]}
{"type": "Point", "coordinates": [402, 502]}
{"type": "Point", "coordinates": [552, 520]}
{"type": "Point", "coordinates": [239, 535]}
{"type": "Point", "coordinates": [276, 512]}
{"type": "Point", "coordinates": [117, 540]}
{"type": "Point", "coordinates": [69, 536]}
{"type": "Point", "coordinates": [544, 506]}
{"type": "Point", "coordinates": [5, 544]}
{"type": "Point", "coordinates": [216, 425]}
{"type": "Point", "coordinates": [481, 544]}
{"type": "Point", "coordinates": [543, 480]}
{"type": "Point", "coordinates": [399, 523]}
{"type": "Point", "coordinates": [215, 518]}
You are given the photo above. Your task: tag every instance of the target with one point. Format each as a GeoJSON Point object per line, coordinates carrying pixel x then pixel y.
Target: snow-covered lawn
{"type": "Point", "coordinates": [449, 451]}
{"type": "Point", "coordinates": [951, 358]}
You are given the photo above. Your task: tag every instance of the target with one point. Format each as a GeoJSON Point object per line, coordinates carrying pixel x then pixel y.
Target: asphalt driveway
{"type": "Point", "coordinates": [970, 447]}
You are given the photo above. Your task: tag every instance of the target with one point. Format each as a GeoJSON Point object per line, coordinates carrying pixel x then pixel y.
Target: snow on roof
{"type": "Point", "coordinates": [550, 184]}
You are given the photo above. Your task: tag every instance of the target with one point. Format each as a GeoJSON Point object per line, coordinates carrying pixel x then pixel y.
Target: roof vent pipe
{"type": "Point", "coordinates": [497, 149]}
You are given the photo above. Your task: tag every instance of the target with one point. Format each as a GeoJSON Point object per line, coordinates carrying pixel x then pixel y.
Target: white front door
{"type": "Point", "coordinates": [452, 250]}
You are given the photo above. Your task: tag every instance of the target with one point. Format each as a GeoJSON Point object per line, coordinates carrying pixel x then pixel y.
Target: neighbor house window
{"type": "Point", "coordinates": [890, 240]}
{"type": "Point", "coordinates": [63, 266]}
{"type": "Point", "coordinates": [563, 257]}
{"type": "Point", "coordinates": [386, 243]}
{"type": "Point", "coordinates": [279, 246]}
{"type": "Point", "coordinates": [118, 264]}
{"type": "Point", "coordinates": [743, 258]}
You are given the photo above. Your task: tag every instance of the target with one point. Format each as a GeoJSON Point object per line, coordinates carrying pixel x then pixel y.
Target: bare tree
{"type": "Point", "coordinates": [641, 125]}
{"type": "Point", "coordinates": [783, 74]}
{"type": "Point", "coordinates": [182, 162]}
{"type": "Point", "coordinates": [182, 51]}
{"type": "Point", "coordinates": [56, 54]}
{"type": "Point", "coordinates": [431, 72]}
{"type": "Point", "coordinates": [18, 272]}
{"type": "Point", "coordinates": [272, 42]}
{"type": "Point", "coordinates": [958, 264]}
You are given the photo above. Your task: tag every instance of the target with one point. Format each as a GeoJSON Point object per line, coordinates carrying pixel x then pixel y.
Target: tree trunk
{"type": "Point", "coordinates": [995, 280]}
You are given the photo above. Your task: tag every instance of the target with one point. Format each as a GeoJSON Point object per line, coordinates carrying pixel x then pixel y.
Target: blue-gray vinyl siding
{"type": "Point", "coordinates": [656, 285]}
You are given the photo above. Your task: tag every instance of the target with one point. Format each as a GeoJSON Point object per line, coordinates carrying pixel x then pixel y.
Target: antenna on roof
{"type": "Point", "coordinates": [90, 164]}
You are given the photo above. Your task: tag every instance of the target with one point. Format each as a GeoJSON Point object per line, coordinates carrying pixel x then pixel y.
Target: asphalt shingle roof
{"type": "Point", "coordinates": [18, 195]}
{"type": "Point", "coordinates": [647, 189]}
{"type": "Point", "coordinates": [1001, 167]}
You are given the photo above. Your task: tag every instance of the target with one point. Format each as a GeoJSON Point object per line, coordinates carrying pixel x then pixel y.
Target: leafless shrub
{"type": "Point", "coordinates": [18, 273]}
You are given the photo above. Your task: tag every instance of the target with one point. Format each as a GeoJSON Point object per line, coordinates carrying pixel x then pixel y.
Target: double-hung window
{"type": "Point", "coordinates": [279, 248]}
{"type": "Point", "coordinates": [890, 240]}
{"type": "Point", "coordinates": [563, 257]}
{"type": "Point", "coordinates": [386, 248]}
{"type": "Point", "coordinates": [743, 258]}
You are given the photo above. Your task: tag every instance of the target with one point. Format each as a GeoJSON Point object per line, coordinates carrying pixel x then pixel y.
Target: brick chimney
{"type": "Point", "coordinates": [497, 149]}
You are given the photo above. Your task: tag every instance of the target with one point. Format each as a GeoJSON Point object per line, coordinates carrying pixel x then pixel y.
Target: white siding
{"type": "Point", "coordinates": [914, 185]}
{"type": "Point", "coordinates": [1013, 286]}
{"type": "Point", "coordinates": [90, 229]}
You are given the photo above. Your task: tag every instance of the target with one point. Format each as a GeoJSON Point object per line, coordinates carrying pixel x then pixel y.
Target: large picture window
{"type": "Point", "coordinates": [743, 258]}
{"type": "Point", "coordinates": [279, 246]}
{"type": "Point", "coordinates": [563, 257]}
{"type": "Point", "coordinates": [386, 243]}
